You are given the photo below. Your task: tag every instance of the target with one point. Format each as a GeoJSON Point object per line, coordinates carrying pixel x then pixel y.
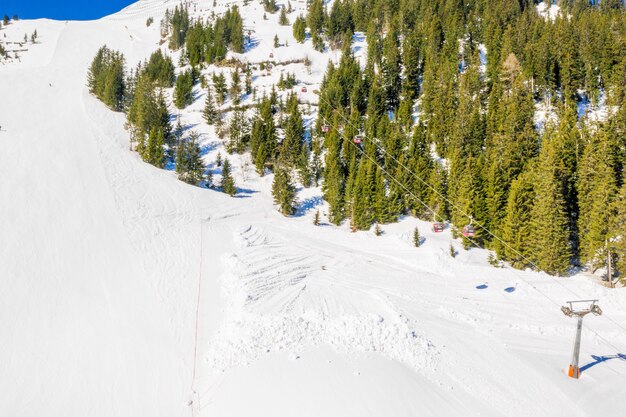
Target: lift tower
{"type": "Point", "coordinates": [574, 310]}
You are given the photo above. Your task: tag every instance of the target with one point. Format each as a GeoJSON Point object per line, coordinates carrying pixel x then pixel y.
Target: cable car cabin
{"type": "Point", "coordinates": [468, 231]}
{"type": "Point", "coordinates": [438, 227]}
{"type": "Point", "coordinates": [325, 128]}
{"type": "Point", "coordinates": [358, 139]}
{"type": "Point", "coordinates": [304, 90]}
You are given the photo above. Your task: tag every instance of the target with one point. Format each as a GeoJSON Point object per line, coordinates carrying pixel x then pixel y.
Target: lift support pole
{"type": "Point", "coordinates": [574, 369]}
{"type": "Point", "coordinates": [571, 311]}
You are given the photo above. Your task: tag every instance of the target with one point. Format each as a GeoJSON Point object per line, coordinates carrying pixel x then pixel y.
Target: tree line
{"type": "Point", "coordinates": [552, 194]}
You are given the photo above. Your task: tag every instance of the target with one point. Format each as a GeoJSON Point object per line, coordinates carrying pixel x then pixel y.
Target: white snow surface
{"type": "Point", "coordinates": [104, 260]}
{"type": "Point", "coordinates": [548, 11]}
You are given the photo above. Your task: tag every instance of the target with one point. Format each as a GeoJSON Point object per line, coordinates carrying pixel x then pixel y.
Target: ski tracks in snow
{"type": "Point", "coordinates": [285, 297]}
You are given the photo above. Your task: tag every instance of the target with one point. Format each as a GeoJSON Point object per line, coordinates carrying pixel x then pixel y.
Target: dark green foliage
{"type": "Point", "coordinates": [549, 246]}
{"type": "Point", "coordinates": [209, 43]}
{"type": "Point", "coordinates": [189, 165]}
{"type": "Point", "coordinates": [183, 92]}
{"type": "Point", "coordinates": [106, 78]}
{"type": "Point", "coordinates": [299, 29]}
{"type": "Point", "coordinates": [154, 153]}
{"type": "Point", "coordinates": [618, 233]}
{"type": "Point", "coordinates": [317, 218]}
{"type": "Point", "coordinates": [160, 70]}
{"type": "Point", "coordinates": [416, 237]}
{"type": "Point", "coordinates": [284, 191]}
{"type": "Point", "coordinates": [179, 26]}
{"type": "Point", "coordinates": [239, 135]}
{"type": "Point", "coordinates": [283, 20]}
{"type": "Point", "coordinates": [597, 189]}
{"type": "Point", "coordinates": [210, 112]}
{"type": "Point", "coordinates": [219, 83]}
{"type": "Point", "coordinates": [235, 87]}
{"type": "Point", "coordinates": [263, 141]}
{"type": "Point", "coordinates": [228, 183]}
{"type": "Point", "coordinates": [270, 6]}
{"type": "Point", "coordinates": [291, 147]}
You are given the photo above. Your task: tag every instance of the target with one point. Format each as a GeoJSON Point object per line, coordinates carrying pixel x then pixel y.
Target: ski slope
{"type": "Point", "coordinates": [125, 292]}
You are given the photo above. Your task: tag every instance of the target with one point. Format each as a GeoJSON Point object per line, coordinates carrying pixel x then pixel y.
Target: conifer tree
{"type": "Point", "coordinates": [189, 165]}
{"type": "Point", "coordinates": [391, 69]}
{"type": "Point", "coordinates": [516, 229]}
{"type": "Point", "coordinates": [597, 189]}
{"type": "Point", "coordinates": [228, 183]}
{"type": "Point", "coordinates": [416, 237]}
{"type": "Point", "coordinates": [154, 152]}
{"type": "Point", "coordinates": [317, 218]}
{"type": "Point", "coordinates": [333, 186]}
{"type": "Point", "coordinates": [618, 232]}
{"type": "Point", "coordinates": [210, 113]}
{"type": "Point", "coordinates": [235, 87]}
{"type": "Point", "coordinates": [219, 83]}
{"type": "Point", "coordinates": [283, 20]}
{"type": "Point", "coordinates": [549, 247]}
{"type": "Point", "coordinates": [291, 147]}
{"type": "Point", "coordinates": [284, 191]}
{"type": "Point", "coordinates": [299, 29]}
{"type": "Point", "coordinates": [183, 92]}
{"type": "Point", "coordinates": [239, 134]}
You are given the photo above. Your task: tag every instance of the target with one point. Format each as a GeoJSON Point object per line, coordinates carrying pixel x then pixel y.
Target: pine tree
{"type": "Point", "coordinates": [183, 92]}
{"type": "Point", "coordinates": [238, 132]}
{"type": "Point", "coordinates": [291, 147]}
{"type": "Point", "coordinates": [597, 189]}
{"type": "Point", "coordinates": [189, 165]}
{"type": "Point", "coordinates": [228, 183]}
{"type": "Point", "coordinates": [218, 159]}
{"type": "Point", "coordinates": [276, 42]}
{"type": "Point", "coordinates": [284, 191]}
{"type": "Point", "coordinates": [416, 237]}
{"type": "Point", "coordinates": [154, 152]}
{"type": "Point", "coordinates": [391, 69]}
{"type": "Point", "coordinates": [618, 232]}
{"type": "Point", "coordinates": [235, 87]}
{"type": "Point", "coordinates": [317, 218]}
{"type": "Point", "coordinates": [210, 113]}
{"type": "Point", "coordinates": [299, 29]}
{"type": "Point", "coordinates": [516, 229]}
{"type": "Point", "coordinates": [377, 230]}
{"type": "Point", "coordinates": [549, 246]}
{"type": "Point", "coordinates": [219, 83]}
{"type": "Point", "coordinates": [333, 186]}
{"type": "Point", "coordinates": [283, 20]}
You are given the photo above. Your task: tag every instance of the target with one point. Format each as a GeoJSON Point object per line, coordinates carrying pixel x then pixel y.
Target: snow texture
{"type": "Point", "coordinates": [104, 261]}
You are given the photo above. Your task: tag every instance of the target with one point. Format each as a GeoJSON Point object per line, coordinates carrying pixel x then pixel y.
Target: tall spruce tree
{"type": "Point", "coordinates": [550, 244]}
{"type": "Point", "coordinates": [228, 183]}
{"type": "Point", "coordinates": [284, 191]}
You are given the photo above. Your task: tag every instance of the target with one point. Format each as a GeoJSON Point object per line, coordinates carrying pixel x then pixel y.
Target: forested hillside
{"type": "Point", "coordinates": [506, 115]}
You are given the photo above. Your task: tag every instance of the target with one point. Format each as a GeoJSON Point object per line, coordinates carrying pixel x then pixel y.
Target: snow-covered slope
{"type": "Point", "coordinates": [125, 292]}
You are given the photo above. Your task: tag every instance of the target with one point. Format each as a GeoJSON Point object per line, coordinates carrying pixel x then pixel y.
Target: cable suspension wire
{"type": "Point", "coordinates": [462, 212]}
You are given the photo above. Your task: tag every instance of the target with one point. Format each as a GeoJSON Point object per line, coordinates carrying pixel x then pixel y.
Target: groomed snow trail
{"type": "Point", "coordinates": [100, 263]}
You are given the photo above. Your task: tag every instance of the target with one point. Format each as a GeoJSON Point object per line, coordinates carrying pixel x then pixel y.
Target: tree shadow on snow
{"type": "Point", "coordinates": [599, 359]}
{"type": "Point", "coordinates": [244, 193]}
{"type": "Point", "coordinates": [308, 204]}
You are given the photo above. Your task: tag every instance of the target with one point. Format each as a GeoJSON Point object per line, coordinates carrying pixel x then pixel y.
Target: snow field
{"type": "Point", "coordinates": [102, 255]}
